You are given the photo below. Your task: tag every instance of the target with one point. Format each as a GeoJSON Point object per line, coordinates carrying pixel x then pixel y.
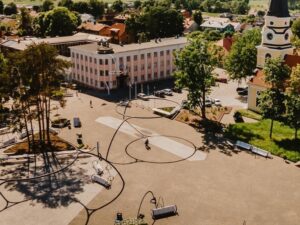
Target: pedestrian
{"type": "Point", "coordinates": [91, 104]}
{"type": "Point", "coordinates": [76, 93]}
{"type": "Point", "coordinates": [147, 144]}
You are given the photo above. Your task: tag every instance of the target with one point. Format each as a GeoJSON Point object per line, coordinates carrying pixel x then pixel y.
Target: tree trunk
{"type": "Point", "coordinates": [271, 128]}
{"type": "Point", "coordinates": [48, 121]}
{"type": "Point", "coordinates": [203, 113]}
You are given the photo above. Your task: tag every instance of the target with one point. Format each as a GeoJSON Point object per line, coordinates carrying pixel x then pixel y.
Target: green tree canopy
{"type": "Point", "coordinates": [194, 71]}
{"type": "Point", "coordinates": [96, 8]}
{"type": "Point", "coordinates": [197, 16]}
{"type": "Point", "coordinates": [296, 27]}
{"type": "Point", "coordinates": [81, 7]}
{"type": "Point", "coordinates": [241, 60]}
{"type": "Point", "coordinates": [57, 22]}
{"type": "Point", "coordinates": [1, 7]}
{"type": "Point", "coordinates": [272, 100]}
{"type": "Point", "coordinates": [137, 4]}
{"type": "Point", "coordinates": [66, 3]}
{"type": "Point", "coordinates": [47, 5]}
{"type": "Point", "coordinates": [118, 6]}
{"type": "Point", "coordinates": [10, 8]}
{"type": "Point", "coordinates": [25, 25]}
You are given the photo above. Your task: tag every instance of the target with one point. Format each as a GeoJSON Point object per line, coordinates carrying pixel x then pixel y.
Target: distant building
{"type": "Point", "coordinates": [190, 25]}
{"type": "Point", "coordinates": [61, 43]}
{"type": "Point", "coordinates": [108, 66]}
{"type": "Point", "coordinates": [221, 24]}
{"type": "Point", "coordinates": [85, 17]}
{"type": "Point", "coordinates": [276, 43]}
{"type": "Point", "coordinates": [94, 28]}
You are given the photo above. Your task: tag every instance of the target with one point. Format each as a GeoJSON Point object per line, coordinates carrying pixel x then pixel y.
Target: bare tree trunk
{"type": "Point", "coordinates": [48, 121]}
{"type": "Point", "coordinates": [271, 128]}
{"type": "Point", "coordinates": [203, 113]}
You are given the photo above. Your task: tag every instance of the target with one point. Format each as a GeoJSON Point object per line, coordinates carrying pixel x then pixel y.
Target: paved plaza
{"type": "Point", "coordinates": [209, 187]}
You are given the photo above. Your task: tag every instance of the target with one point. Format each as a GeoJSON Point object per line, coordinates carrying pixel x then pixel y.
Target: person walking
{"type": "Point", "coordinates": [91, 104]}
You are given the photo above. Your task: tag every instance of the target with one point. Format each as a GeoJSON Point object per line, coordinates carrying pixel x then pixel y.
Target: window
{"type": "Point", "coordinates": [142, 56]}
{"type": "Point", "coordinates": [168, 62]}
{"type": "Point", "coordinates": [161, 53]}
{"type": "Point", "coordinates": [86, 79]}
{"type": "Point", "coordinates": [155, 64]}
{"type": "Point", "coordinates": [128, 58]}
{"type": "Point", "coordinates": [106, 73]}
{"type": "Point", "coordinates": [155, 54]}
{"type": "Point", "coordinates": [142, 67]}
{"type": "Point", "coordinates": [73, 54]}
{"type": "Point", "coordinates": [91, 70]}
{"type": "Point", "coordinates": [168, 72]}
{"type": "Point", "coordinates": [101, 84]}
{"type": "Point", "coordinates": [161, 73]}
{"type": "Point", "coordinates": [142, 77]}
{"type": "Point", "coordinates": [100, 61]}
{"type": "Point", "coordinates": [82, 78]}
{"type": "Point", "coordinates": [155, 74]}
{"type": "Point", "coordinates": [149, 75]}
{"type": "Point", "coordinates": [81, 57]}
{"type": "Point", "coordinates": [106, 61]}
{"type": "Point", "coordinates": [271, 23]}
{"type": "Point", "coordinates": [101, 72]}
{"type": "Point", "coordinates": [148, 55]}
{"type": "Point", "coordinates": [78, 66]}
{"type": "Point", "coordinates": [92, 81]}
{"type": "Point", "coordinates": [77, 56]}
{"type": "Point", "coordinates": [81, 67]}
{"type": "Point", "coordinates": [135, 58]}
{"type": "Point", "coordinates": [86, 69]}
{"type": "Point", "coordinates": [135, 68]}
{"type": "Point", "coordinates": [269, 36]}
{"type": "Point", "coordinates": [95, 60]}
{"type": "Point", "coordinates": [91, 60]}
{"type": "Point", "coordinates": [149, 66]}
{"type": "Point", "coordinates": [268, 56]}
{"type": "Point", "coordinates": [85, 58]}
{"type": "Point", "coordinates": [96, 83]}
{"type": "Point", "coordinates": [96, 71]}
{"type": "Point", "coordinates": [78, 77]}
{"type": "Point", "coordinates": [135, 79]}
{"type": "Point", "coordinates": [168, 52]}
{"type": "Point", "coordinates": [121, 60]}
{"type": "Point", "coordinates": [286, 36]}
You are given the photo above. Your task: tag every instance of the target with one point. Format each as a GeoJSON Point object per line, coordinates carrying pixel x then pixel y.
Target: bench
{"type": "Point", "coordinates": [243, 145]}
{"type": "Point", "coordinates": [260, 151]}
{"type": "Point", "coordinates": [8, 142]}
{"type": "Point", "coordinates": [98, 168]}
{"type": "Point", "coordinates": [100, 180]}
{"type": "Point", "coordinates": [164, 212]}
{"type": "Point", "coordinates": [24, 134]}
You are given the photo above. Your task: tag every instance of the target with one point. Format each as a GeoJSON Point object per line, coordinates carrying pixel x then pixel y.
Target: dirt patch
{"type": "Point", "coordinates": [58, 144]}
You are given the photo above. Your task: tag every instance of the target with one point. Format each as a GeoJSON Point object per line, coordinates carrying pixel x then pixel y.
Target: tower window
{"type": "Point", "coordinates": [268, 56]}
{"type": "Point", "coordinates": [269, 36]}
{"type": "Point", "coordinates": [286, 36]}
{"type": "Point", "coordinates": [271, 23]}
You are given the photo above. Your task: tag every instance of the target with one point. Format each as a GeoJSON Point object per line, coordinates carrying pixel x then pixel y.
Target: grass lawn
{"type": "Point", "coordinates": [257, 134]}
{"type": "Point", "coordinates": [250, 114]}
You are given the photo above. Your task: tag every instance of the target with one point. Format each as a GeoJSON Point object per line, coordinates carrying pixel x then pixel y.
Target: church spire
{"type": "Point", "coordinates": [278, 8]}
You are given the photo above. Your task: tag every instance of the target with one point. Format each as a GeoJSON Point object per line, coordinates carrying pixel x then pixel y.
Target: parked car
{"type": "Point", "coordinates": [142, 96]}
{"type": "Point", "coordinates": [168, 92]}
{"type": "Point", "coordinates": [160, 94]}
{"type": "Point", "coordinates": [238, 118]}
{"type": "Point", "coordinates": [60, 123]}
{"type": "Point", "coordinates": [176, 90]}
{"type": "Point", "coordinates": [76, 122]}
{"type": "Point", "coordinates": [243, 92]}
{"type": "Point", "coordinates": [241, 89]}
{"type": "Point", "coordinates": [123, 103]}
{"type": "Point", "coordinates": [217, 102]}
{"type": "Point", "coordinates": [185, 104]}
{"type": "Point", "coordinates": [208, 102]}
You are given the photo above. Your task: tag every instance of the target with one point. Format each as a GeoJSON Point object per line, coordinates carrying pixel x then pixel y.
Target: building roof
{"type": "Point", "coordinates": [278, 8]}
{"type": "Point", "coordinates": [214, 24]}
{"type": "Point", "coordinates": [118, 27]}
{"type": "Point", "coordinates": [258, 79]}
{"type": "Point", "coordinates": [133, 47]}
{"type": "Point", "coordinates": [79, 37]}
{"type": "Point", "coordinates": [90, 26]}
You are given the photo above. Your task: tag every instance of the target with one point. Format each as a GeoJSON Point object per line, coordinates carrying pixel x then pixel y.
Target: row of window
{"type": "Point", "coordinates": [128, 58]}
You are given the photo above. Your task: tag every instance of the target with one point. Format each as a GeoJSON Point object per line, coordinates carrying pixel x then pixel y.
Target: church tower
{"type": "Point", "coordinates": [276, 33]}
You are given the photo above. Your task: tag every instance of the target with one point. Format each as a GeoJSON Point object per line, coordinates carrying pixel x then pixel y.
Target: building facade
{"type": "Point", "coordinates": [109, 66]}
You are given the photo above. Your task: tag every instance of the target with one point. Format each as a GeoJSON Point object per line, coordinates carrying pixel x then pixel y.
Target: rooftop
{"type": "Point", "coordinates": [133, 47]}
{"type": "Point", "coordinates": [22, 44]}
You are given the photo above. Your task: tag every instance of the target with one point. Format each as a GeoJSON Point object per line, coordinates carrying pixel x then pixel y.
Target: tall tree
{"type": "Point", "coordinates": [66, 3]}
{"type": "Point", "coordinates": [1, 7]}
{"type": "Point", "coordinates": [195, 66]}
{"type": "Point", "coordinates": [197, 15]}
{"type": "Point", "coordinates": [10, 8]}
{"type": "Point", "coordinates": [81, 7]}
{"type": "Point", "coordinates": [271, 101]}
{"type": "Point", "coordinates": [293, 100]}
{"type": "Point", "coordinates": [96, 8]}
{"type": "Point", "coordinates": [25, 25]}
{"type": "Point", "coordinates": [118, 6]}
{"type": "Point", "coordinates": [57, 22]}
{"type": "Point", "coordinates": [296, 27]}
{"type": "Point", "coordinates": [241, 60]}
{"type": "Point", "coordinates": [47, 5]}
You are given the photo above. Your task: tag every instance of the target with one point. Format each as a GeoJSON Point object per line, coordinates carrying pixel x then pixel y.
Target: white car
{"type": "Point", "coordinates": [142, 96]}
{"type": "Point", "coordinates": [123, 103]}
{"type": "Point", "coordinates": [217, 102]}
{"type": "Point", "coordinates": [168, 92]}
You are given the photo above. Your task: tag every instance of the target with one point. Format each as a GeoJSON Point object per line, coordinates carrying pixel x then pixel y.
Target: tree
{"type": "Point", "coordinates": [81, 7]}
{"type": "Point", "coordinates": [118, 6]}
{"type": "Point", "coordinates": [57, 22]}
{"type": "Point", "coordinates": [195, 66]}
{"type": "Point", "coordinates": [198, 17]}
{"type": "Point", "coordinates": [271, 101]}
{"type": "Point", "coordinates": [47, 5]}
{"type": "Point", "coordinates": [35, 74]}
{"type": "Point", "coordinates": [293, 100]}
{"type": "Point", "coordinates": [96, 8]}
{"type": "Point", "coordinates": [66, 3]}
{"type": "Point", "coordinates": [241, 60]}
{"type": "Point", "coordinates": [10, 9]}
{"type": "Point", "coordinates": [25, 26]}
{"type": "Point", "coordinates": [137, 4]}
{"type": "Point", "coordinates": [1, 7]}
{"type": "Point", "coordinates": [296, 27]}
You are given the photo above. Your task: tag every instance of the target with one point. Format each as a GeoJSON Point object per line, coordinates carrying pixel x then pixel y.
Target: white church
{"type": "Point", "coordinates": [276, 42]}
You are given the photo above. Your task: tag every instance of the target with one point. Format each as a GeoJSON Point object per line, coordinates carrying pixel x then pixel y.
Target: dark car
{"type": "Point", "coordinates": [76, 122]}
{"type": "Point", "coordinates": [176, 90]}
{"type": "Point", "coordinates": [241, 89]}
{"type": "Point", "coordinates": [238, 118]}
{"type": "Point", "coordinates": [243, 92]}
{"type": "Point", "coordinates": [160, 94]}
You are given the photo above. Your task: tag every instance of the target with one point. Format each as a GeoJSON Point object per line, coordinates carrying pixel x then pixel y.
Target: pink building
{"type": "Point", "coordinates": [104, 66]}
